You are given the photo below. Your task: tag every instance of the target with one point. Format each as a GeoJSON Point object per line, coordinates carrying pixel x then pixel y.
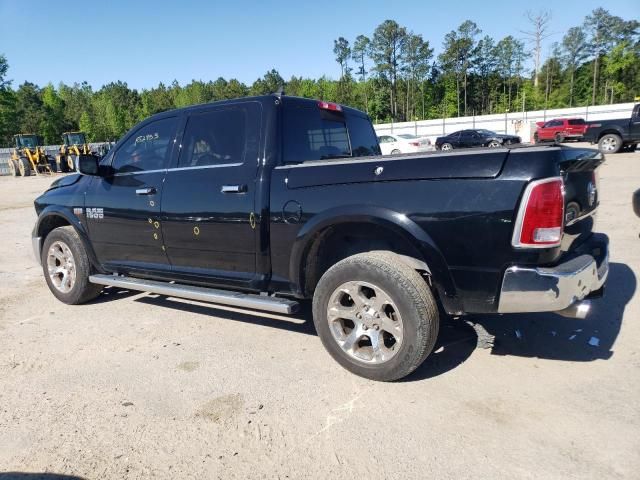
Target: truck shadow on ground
{"type": "Point", "coordinates": [539, 335]}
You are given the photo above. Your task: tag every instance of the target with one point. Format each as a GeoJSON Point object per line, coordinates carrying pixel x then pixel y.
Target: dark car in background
{"type": "Point", "coordinates": [475, 138]}
{"type": "Point", "coordinates": [560, 129]}
{"type": "Point", "coordinates": [618, 135]}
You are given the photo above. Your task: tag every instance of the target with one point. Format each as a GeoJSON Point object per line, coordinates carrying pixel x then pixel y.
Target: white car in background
{"type": "Point", "coordinates": [403, 143]}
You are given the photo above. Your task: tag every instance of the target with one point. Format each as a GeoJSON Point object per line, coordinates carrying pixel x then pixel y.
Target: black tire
{"type": "Point", "coordinates": [494, 144]}
{"type": "Point", "coordinates": [63, 165]}
{"type": "Point", "coordinates": [395, 151]}
{"type": "Point", "coordinates": [536, 139]}
{"type": "Point", "coordinates": [559, 138]}
{"type": "Point", "coordinates": [82, 290]}
{"type": "Point", "coordinates": [13, 168]}
{"type": "Point", "coordinates": [410, 295]}
{"type": "Point", "coordinates": [446, 147]}
{"type": "Point", "coordinates": [24, 167]}
{"type": "Point", "coordinates": [610, 143]}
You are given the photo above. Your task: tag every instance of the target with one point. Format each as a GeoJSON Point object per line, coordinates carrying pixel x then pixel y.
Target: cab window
{"type": "Point", "coordinates": [148, 148]}
{"type": "Point", "coordinates": [221, 136]}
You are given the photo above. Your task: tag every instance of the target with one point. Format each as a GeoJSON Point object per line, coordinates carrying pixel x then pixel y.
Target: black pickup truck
{"type": "Point", "coordinates": [613, 136]}
{"type": "Point", "coordinates": [269, 201]}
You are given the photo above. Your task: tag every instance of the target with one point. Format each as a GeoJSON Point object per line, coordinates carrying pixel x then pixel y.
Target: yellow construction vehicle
{"type": "Point", "coordinates": [28, 156]}
{"type": "Point", "coordinates": [74, 144]}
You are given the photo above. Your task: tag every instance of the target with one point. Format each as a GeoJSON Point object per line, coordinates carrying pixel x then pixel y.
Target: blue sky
{"type": "Point", "coordinates": [144, 42]}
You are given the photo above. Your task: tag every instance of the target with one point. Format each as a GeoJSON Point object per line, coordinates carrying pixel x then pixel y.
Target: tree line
{"type": "Point", "coordinates": [392, 74]}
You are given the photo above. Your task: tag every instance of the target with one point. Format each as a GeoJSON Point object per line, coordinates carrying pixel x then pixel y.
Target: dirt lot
{"type": "Point", "coordinates": [139, 386]}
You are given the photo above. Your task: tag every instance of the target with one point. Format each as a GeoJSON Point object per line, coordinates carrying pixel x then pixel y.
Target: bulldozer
{"type": "Point", "coordinates": [28, 156]}
{"type": "Point", "coordinates": [73, 145]}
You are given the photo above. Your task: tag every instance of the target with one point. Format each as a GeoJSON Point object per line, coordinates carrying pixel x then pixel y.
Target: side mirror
{"type": "Point", "coordinates": [88, 164]}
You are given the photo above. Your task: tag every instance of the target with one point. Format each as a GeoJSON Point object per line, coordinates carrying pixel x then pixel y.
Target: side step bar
{"type": "Point", "coordinates": [203, 294]}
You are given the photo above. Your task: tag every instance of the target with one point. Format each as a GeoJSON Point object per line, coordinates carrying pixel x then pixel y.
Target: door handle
{"type": "Point", "coordinates": [146, 191]}
{"type": "Point", "coordinates": [233, 188]}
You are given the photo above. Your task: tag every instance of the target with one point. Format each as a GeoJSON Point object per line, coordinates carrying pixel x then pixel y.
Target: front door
{"type": "Point", "coordinates": [123, 208]}
{"type": "Point", "coordinates": [208, 218]}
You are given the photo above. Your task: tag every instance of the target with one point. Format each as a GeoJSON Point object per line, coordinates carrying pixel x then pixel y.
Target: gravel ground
{"type": "Point", "coordinates": [140, 386]}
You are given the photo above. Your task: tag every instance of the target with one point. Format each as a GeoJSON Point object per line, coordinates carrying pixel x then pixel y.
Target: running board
{"type": "Point", "coordinates": [203, 294]}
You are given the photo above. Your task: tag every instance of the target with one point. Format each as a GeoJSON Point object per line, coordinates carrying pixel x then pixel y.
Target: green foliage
{"type": "Point", "coordinates": [394, 79]}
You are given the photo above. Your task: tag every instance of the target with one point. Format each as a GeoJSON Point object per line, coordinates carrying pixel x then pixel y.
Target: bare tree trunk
{"type": "Point", "coordinates": [595, 80]}
{"type": "Point", "coordinates": [573, 72]}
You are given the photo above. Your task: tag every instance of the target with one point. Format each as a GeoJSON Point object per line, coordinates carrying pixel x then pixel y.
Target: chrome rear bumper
{"type": "Point", "coordinates": [558, 289]}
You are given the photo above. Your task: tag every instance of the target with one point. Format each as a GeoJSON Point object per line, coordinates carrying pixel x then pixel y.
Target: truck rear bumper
{"type": "Point", "coordinates": [556, 289]}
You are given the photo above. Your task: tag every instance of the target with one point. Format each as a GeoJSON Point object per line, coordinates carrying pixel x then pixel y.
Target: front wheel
{"type": "Point", "coordinates": [494, 144]}
{"type": "Point", "coordinates": [446, 147]}
{"type": "Point", "coordinates": [24, 167]}
{"type": "Point", "coordinates": [559, 138]}
{"type": "Point", "coordinates": [395, 152]}
{"type": "Point", "coordinates": [67, 268]}
{"type": "Point", "coordinates": [375, 315]}
{"type": "Point", "coordinates": [610, 143]}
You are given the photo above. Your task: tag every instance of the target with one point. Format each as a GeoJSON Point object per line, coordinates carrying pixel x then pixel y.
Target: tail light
{"type": "Point", "coordinates": [540, 218]}
{"type": "Point", "coordinates": [334, 107]}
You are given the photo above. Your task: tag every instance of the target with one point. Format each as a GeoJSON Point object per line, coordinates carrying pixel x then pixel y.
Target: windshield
{"type": "Point", "coordinates": [482, 131]}
{"type": "Point", "coordinates": [27, 141]}
{"type": "Point", "coordinates": [74, 138]}
{"type": "Point", "coordinates": [408, 136]}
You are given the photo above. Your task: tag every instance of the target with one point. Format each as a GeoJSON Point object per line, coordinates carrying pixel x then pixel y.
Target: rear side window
{"type": "Point", "coordinates": [220, 136]}
{"type": "Point", "coordinates": [576, 121]}
{"type": "Point", "coordinates": [311, 133]}
{"type": "Point", "coordinates": [363, 137]}
{"type": "Point", "coordinates": [149, 148]}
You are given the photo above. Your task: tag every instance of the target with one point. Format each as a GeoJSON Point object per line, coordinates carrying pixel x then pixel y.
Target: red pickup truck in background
{"type": "Point", "coordinates": [560, 129]}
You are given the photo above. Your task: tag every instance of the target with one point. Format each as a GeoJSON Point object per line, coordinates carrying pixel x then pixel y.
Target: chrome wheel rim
{"type": "Point", "coordinates": [494, 144]}
{"type": "Point", "coordinates": [446, 147]}
{"type": "Point", "coordinates": [609, 144]}
{"type": "Point", "coordinates": [61, 267]}
{"type": "Point", "coordinates": [365, 322]}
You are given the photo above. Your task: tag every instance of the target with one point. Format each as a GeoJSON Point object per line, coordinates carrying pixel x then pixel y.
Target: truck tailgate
{"type": "Point", "coordinates": [578, 168]}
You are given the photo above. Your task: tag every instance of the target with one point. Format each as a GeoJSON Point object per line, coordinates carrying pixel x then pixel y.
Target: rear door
{"type": "Point", "coordinates": [123, 208]}
{"type": "Point", "coordinates": [208, 218]}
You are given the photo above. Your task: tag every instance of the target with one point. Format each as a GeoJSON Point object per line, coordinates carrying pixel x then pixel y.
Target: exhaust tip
{"type": "Point", "coordinates": [578, 310]}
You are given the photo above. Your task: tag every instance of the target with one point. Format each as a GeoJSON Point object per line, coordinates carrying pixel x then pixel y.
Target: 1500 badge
{"type": "Point", "coordinates": [97, 213]}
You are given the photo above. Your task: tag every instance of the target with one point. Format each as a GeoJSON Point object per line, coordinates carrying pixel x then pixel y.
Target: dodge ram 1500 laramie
{"type": "Point", "coordinates": [264, 202]}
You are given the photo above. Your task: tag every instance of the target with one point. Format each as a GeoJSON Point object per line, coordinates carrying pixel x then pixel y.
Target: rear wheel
{"type": "Point", "coordinates": [24, 166]}
{"type": "Point", "coordinates": [536, 139]}
{"type": "Point", "coordinates": [13, 168]}
{"type": "Point", "coordinates": [63, 164]}
{"type": "Point", "coordinates": [446, 147]}
{"type": "Point", "coordinates": [66, 267]}
{"type": "Point", "coordinates": [610, 143]}
{"type": "Point", "coordinates": [375, 315]}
